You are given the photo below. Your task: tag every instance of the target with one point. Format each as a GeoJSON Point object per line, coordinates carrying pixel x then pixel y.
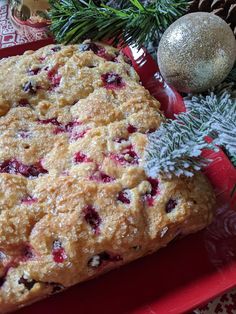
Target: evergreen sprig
{"type": "Point", "coordinates": [218, 109]}
{"type": "Point", "coordinates": [175, 149]}
{"type": "Point", "coordinates": [134, 23]}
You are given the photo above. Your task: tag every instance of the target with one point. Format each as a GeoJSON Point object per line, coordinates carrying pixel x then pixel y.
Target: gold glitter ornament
{"type": "Point", "coordinates": [196, 52]}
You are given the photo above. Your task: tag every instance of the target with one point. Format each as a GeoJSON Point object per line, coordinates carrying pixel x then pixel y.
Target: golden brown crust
{"type": "Point", "coordinates": [75, 200]}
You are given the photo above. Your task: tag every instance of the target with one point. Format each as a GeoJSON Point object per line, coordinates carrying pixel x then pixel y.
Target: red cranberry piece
{"type": "Point", "coordinates": [34, 71]}
{"type": "Point", "coordinates": [60, 127]}
{"type": "Point", "coordinates": [170, 206]}
{"type": "Point", "coordinates": [92, 217]}
{"type": "Point", "coordinates": [28, 200]}
{"type": "Point", "coordinates": [150, 197]}
{"type": "Point", "coordinates": [50, 121]}
{"type": "Point", "coordinates": [105, 178]}
{"type": "Point", "coordinates": [127, 156]}
{"type": "Point", "coordinates": [155, 186]}
{"type": "Point", "coordinates": [27, 253]}
{"type": "Point", "coordinates": [23, 102]}
{"type": "Point", "coordinates": [66, 128]}
{"type": "Point", "coordinates": [124, 197]}
{"type": "Point", "coordinates": [58, 252]}
{"type": "Point", "coordinates": [42, 58]}
{"type": "Point", "coordinates": [131, 129]}
{"type": "Point", "coordinates": [78, 135]}
{"type": "Point", "coordinates": [9, 166]}
{"type": "Point", "coordinates": [36, 169]}
{"type": "Point", "coordinates": [103, 54]}
{"type": "Point", "coordinates": [56, 80]}
{"type": "Point", "coordinates": [103, 258]}
{"type": "Point", "coordinates": [101, 177]}
{"type": "Point", "coordinates": [80, 157]}
{"type": "Point", "coordinates": [27, 283]}
{"type": "Point", "coordinates": [71, 125]}
{"type": "Point", "coordinates": [16, 167]}
{"type": "Point", "coordinates": [23, 134]}
{"type": "Point", "coordinates": [108, 57]}
{"type": "Point", "coordinates": [30, 88]}
{"type": "Point", "coordinates": [56, 49]}
{"type": "Point", "coordinates": [54, 77]}
{"type": "Point", "coordinates": [112, 80]}
{"type": "Point", "coordinates": [59, 130]}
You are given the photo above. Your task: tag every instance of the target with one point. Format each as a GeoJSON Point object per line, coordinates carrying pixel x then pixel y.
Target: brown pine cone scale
{"type": "Point", "coordinates": [226, 9]}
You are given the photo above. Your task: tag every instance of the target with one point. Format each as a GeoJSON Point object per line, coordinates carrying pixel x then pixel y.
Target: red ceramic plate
{"type": "Point", "coordinates": [178, 278]}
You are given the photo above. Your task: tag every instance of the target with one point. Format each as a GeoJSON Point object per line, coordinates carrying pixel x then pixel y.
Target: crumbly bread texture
{"type": "Point", "coordinates": [74, 198]}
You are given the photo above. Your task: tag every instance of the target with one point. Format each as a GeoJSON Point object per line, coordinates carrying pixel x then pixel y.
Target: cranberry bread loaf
{"type": "Point", "coordinates": [75, 200]}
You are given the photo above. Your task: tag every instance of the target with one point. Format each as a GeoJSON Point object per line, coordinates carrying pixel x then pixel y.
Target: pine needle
{"type": "Point", "coordinates": [133, 24]}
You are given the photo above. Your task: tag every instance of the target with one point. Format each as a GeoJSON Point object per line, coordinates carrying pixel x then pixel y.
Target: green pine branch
{"type": "Point", "coordinates": [221, 102]}
{"type": "Point", "coordinates": [175, 149]}
{"type": "Point", "coordinates": [133, 24]}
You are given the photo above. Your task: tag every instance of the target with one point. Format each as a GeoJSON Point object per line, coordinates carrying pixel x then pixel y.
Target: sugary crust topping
{"type": "Point", "coordinates": [74, 198]}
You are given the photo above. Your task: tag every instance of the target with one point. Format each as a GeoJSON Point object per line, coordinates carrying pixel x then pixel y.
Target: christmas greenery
{"type": "Point", "coordinates": [131, 22]}
{"type": "Point", "coordinates": [175, 149]}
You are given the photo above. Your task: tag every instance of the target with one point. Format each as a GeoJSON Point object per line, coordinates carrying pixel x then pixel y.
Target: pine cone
{"type": "Point", "coordinates": [226, 9]}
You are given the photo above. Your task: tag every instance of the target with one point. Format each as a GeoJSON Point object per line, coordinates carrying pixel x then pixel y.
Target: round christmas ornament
{"type": "Point", "coordinates": [197, 52]}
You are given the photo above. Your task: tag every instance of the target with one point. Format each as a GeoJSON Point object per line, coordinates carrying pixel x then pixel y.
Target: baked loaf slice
{"type": "Point", "coordinates": [75, 200]}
